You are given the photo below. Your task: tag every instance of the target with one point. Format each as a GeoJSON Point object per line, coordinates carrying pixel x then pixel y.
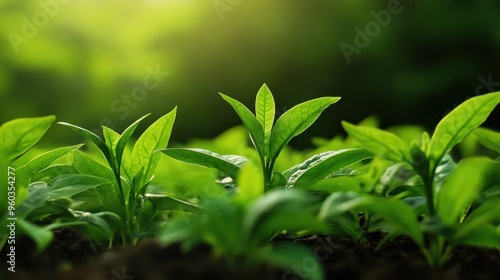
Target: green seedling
{"type": "Point", "coordinates": [429, 160]}
{"type": "Point", "coordinates": [113, 197]}
{"type": "Point", "coordinates": [269, 139]}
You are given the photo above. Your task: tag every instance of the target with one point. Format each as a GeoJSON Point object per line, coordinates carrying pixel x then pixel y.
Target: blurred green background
{"type": "Point", "coordinates": [109, 62]}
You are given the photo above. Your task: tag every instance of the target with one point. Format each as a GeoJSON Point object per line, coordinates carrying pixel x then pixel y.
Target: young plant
{"type": "Point", "coordinates": [428, 159]}
{"type": "Point", "coordinates": [269, 138]}
{"type": "Point", "coordinates": [120, 188]}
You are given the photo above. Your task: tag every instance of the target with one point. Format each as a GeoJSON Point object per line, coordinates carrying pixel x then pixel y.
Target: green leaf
{"type": "Point", "coordinates": [462, 187]}
{"type": "Point", "coordinates": [143, 154]}
{"type": "Point", "coordinates": [250, 184]}
{"type": "Point", "coordinates": [18, 135]}
{"type": "Point", "coordinates": [124, 138]}
{"type": "Point", "coordinates": [67, 185]}
{"type": "Point", "coordinates": [38, 194]}
{"type": "Point", "coordinates": [488, 138]}
{"type": "Point", "coordinates": [320, 166]}
{"type": "Point", "coordinates": [89, 166]}
{"type": "Point", "coordinates": [253, 126]}
{"type": "Point", "coordinates": [290, 256]}
{"type": "Point", "coordinates": [398, 214]}
{"type": "Point", "coordinates": [42, 236]}
{"type": "Point", "coordinates": [455, 126]}
{"type": "Point", "coordinates": [264, 111]}
{"type": "Point", "coordinates": [294, 121]}
{"type": "Point", "coordinates": [488, 212]}
{"type": "Point", "coordinates": [205, 158]}
{"type": "Point", "coordinates": [168, 203]}
{"type": "Point", "coordinates": [379, 142]}
{"type": "Point", "coordinates": [484, 235]}
{"type": "Point", "coordinates": [111, 139]}
{"type": "Point", "coordinates": [43, 161]}
{"type": "Point", "coordinates": [106, 222]}
{"type": "Point", "coordinates": [92, 137]}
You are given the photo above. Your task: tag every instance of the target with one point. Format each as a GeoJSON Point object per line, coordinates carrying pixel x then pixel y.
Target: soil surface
{"type": "Point", "coordinates": [71, 256]}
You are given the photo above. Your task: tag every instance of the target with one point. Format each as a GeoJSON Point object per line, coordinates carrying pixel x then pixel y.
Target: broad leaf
{"type": "Point", "coordinates": [43, 161]}
{"type": "Point", "coordinates": [320, 166]}
{"type": "Point", "coordinates": [154, 138]}
{"type": "Point", "coordinates": [38, 194]}
{"type": "Point", "coordinates": [253, 126]}
{"type": "Point", "coordinates": [484, 235]}
{"type": "Point", "coordinates": [462, 187]}
{"type": "Point", "coordinates": [68, 185]}
{"type": "Point", "coordinates": [455, 126]}
{"type": "Point", "coordinates": [289, 256]}
{"type": "Point", "coordinates": [379, 142]}
{"type": "Point", "coordinates": [250, 184]}
{"type": "Point", "coordinates": [488, 212]}
{"type": "Point", "coordinates": [272, 202]}
{"type": "Point", "coordinates": [111, 139]}
{"type": "Point", "coordinates": [294, 121]}
{"type": "Point", "coordinates": [488, 138]}
{"type": "Point", "coordinates": [18, 135]}
{"type": "Point", "coordinates": [265, 110]}
{"type": "Point", "coordinates": [205, 158]}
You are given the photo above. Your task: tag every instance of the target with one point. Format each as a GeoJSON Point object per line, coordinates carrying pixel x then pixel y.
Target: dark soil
{"type": "Point", "coordinates": [73, 257]}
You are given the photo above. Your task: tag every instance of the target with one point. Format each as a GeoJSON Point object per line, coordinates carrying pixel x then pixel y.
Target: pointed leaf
{"type": "Point", "coordinates": [43, 161]}
{"type": "Point", "coordinates": [488, 138]}
{"type": "Point", "coordinates": [294, 121]}
{"type": "Point", "coordinates": [204, 158]}
{"type": "Point", "coordinates": [320, 166]}
{"type": "Point", "coordinates": [124, 138]}
{"type": "Point", "coordinates": [462, 187]}
{"type": "Point", "coordinates": [265, 110]}
{"type": "Point", "coordinates": [379, 142]}
{"type": "Point", "coordinates": [18, 135]}
{"type": "Point", "coordinates": [289, 256]}
{"type": "Point", "coordinates": [253, 126]}
{"type": "Point", "coordinates": [154, 138]}
{"type": "Point", "coordinates": [455, 126]}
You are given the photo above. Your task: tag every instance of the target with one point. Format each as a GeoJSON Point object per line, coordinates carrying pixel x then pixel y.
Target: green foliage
{"type": "Point", "coordinates": [449, 190]}
{"type": "Point", "coordinates": [238, 231]}
{"type": "Point", "coordinates": [269, 139]}
{"type": "Point", "coordinates": [16, 138]}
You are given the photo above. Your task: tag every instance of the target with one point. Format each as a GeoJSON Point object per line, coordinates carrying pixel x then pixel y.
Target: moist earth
{"type": "Point", "coordinates": [73, 256]}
